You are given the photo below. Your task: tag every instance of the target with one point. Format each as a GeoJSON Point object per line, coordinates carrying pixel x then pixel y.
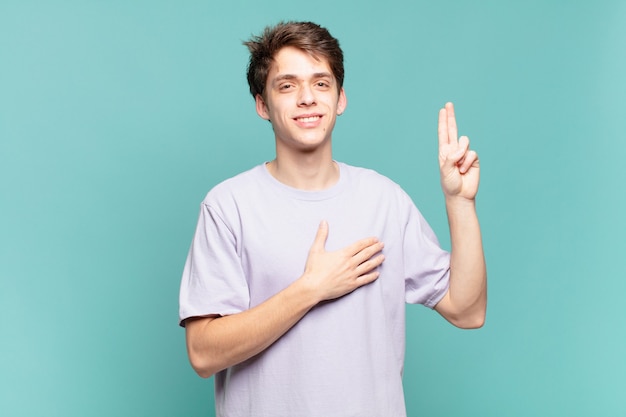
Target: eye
{"type": "Point", "coordinates": [322, 85]}
{"type": "Point", "coordinates": [285, 87]}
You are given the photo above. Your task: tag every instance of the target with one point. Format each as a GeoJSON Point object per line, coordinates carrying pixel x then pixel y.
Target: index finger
{"type": "Point", "coordinates": [362, 244]}
{"type": "Point", "coordinates": [442, 127]}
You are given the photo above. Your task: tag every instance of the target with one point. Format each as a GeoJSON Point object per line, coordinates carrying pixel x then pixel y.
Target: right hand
{"type": "Point", "coordinates": [334, 274]}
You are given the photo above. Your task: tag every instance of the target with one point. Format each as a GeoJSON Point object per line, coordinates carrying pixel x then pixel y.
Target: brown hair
{"type": "Point", "coordinates": [306, 36]}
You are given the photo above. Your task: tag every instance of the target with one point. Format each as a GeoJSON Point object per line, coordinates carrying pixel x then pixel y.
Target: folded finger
{"type": "Point", "coordinates": [471, 158]}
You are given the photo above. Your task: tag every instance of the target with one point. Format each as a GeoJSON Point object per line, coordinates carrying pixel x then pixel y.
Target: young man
{"type": "Point", "coordinates": [294, 289]}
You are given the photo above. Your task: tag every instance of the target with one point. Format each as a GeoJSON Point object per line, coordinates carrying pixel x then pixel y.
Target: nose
{"type": "Point", "coordinates": [307, 96]}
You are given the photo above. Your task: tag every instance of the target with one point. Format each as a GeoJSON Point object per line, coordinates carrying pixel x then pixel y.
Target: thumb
{"type": "Point", "coordinates": [461, 152]}
{"type": "Point", "coordinates": [319, 243]}
{"type": "Point", "coordinates": [456, 158]}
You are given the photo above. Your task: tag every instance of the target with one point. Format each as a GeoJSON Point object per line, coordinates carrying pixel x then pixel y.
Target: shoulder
{"type": "Point", "coordinates": [234, 189]}
{"type": "Point", "coordinates": [370, 188]}
{"type": "Point", "coordinates": [360, 177]}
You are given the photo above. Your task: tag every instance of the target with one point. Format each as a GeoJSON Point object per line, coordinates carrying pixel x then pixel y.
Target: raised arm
{"type": "Point", "coordinates": [216, 343]}
{"type": "Point", "coordinates": [465, 303]}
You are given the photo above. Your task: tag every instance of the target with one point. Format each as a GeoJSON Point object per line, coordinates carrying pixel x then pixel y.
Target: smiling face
{"type": "Point", "coordinates": [302, 101]}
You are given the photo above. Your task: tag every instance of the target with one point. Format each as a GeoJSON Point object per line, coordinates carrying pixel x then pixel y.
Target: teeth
{"type": "Point", "coordinates": [308, 119]}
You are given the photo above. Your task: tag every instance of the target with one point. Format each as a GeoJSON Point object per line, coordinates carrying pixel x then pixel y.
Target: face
{"type": "Point", "coordinates": [301, 101]}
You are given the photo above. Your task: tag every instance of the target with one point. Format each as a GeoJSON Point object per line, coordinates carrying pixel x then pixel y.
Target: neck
{"type": "Point", "coordinates": [311, 172]}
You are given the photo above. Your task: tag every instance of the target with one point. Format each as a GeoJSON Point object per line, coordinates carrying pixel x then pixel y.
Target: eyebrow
{"type": "Point", "coordinates": [283, 77]}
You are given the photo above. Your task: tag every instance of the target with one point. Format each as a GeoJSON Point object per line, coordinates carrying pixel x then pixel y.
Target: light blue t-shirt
{"type": "Point", "coordinates": [346, 356]}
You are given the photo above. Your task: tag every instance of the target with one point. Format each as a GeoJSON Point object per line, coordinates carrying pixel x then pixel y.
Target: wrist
{"type": "Point", "coordinates": [460, 202]}
{"type": "Point", "coordinates": [308, 290]}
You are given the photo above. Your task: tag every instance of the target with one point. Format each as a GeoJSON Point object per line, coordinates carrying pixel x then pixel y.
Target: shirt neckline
{"type": "Point", "coordinates": [307, 195]}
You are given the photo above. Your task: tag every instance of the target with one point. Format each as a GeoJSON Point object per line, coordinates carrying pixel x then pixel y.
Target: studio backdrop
{"type": "Point", "coordinates": [116, 118]}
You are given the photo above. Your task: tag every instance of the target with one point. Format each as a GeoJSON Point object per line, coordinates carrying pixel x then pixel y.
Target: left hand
{"type": "Point", "coordinates": [458, 165]}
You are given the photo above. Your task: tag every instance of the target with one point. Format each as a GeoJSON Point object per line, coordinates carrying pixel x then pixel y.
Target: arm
{"type": "Point", "coordinates": [215, 343]}
{"type": "Point", "coordinates": [465, 303]}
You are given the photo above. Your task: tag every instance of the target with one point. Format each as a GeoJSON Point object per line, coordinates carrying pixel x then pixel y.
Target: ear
{"type": "Point", "coordinates": [342, 103]}
{"type": "Point", "coordinates": [261, 107]}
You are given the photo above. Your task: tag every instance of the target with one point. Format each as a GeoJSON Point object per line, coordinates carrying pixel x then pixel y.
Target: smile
{"type": "Point", "coordinates": [308, 119]}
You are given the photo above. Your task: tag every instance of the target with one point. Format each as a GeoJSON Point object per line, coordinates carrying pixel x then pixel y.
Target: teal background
{"type": "Point", "coordinates": [116, 117]}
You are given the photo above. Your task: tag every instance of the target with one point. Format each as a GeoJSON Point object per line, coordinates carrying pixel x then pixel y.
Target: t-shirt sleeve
{"type": "Point", "coordinates": [213, 281]}
{"type": "Point", "coordinates": [427, 266]}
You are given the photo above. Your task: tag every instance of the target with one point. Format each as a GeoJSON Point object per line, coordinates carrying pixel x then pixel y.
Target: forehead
{"type": "Point", "coordinates": [294, 61]}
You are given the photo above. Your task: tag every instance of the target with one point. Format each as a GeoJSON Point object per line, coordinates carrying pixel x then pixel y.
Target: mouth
{"type": "Point", "coordinates": [307, 119]}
